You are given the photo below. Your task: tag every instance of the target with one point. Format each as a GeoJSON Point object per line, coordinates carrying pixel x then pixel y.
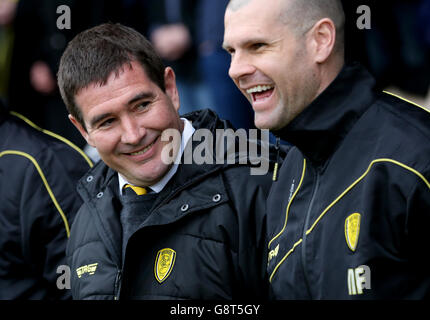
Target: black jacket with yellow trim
{"type": "Point", "coordinates": [38, 201]}
{"type": "Point", "coordinates": [349, 215]}
{"type": "Point", "coordinates": [210, 217]}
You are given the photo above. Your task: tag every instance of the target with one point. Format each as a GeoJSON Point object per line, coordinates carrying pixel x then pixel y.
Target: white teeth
{"type": "Point", "coordinates": [143, 151]}
{"type": "Point", "coordinates": [259, 89]}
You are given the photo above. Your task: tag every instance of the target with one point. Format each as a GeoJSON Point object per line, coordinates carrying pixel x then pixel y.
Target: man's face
{"type": "Point", "coordinates": [125, 119]}
{"type": "Point", "coordinates": [269, 63]}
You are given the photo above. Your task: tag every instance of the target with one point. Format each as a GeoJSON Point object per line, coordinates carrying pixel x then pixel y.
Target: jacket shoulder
{"type": "Point", "coordinates": [398, 132]}
{"type": "Point", "coordinates": [25, 136]}
{"type": "Point", "coordinates": [29, 159]}
{"type": "Point", "coordinates": [415, 117]}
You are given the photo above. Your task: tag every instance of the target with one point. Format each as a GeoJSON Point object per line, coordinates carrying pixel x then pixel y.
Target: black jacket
{"type": "Point", "coordinates": [349, 215]}
{"type": "Point", "coordinates": [211, 216]}
{"type": "Point", "coordinates": [38, 201]}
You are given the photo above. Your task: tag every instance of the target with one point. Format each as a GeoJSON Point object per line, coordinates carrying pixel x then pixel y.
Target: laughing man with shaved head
{"type": "Point", "coordinates": [349, 211]}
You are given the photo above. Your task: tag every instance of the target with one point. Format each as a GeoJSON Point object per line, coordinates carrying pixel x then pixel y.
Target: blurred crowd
{"type": "Point", "coordinates": [396, 48]}
{"type": "Point", "coordinates": [188, 34]}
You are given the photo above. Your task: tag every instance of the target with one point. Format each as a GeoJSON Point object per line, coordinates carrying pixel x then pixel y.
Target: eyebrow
{"type": "Point", "coordinates": [99, 118]}
{"type": "Point", "coordinates": [250, 41]}
{"type": "Point", "coordinates": [244, 43]}
{"type": "Point", "coordinates": [141, 96]}
{"type": "Point", "coordinates": [137, 97]}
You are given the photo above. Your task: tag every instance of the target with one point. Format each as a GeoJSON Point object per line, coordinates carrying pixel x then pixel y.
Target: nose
{"type": "Point", "coordinates": [240, 67]}
{"type": "Point", "coordinates": [132, 131]}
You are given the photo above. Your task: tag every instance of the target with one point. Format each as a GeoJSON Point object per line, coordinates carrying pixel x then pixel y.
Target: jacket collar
{"type": "Point", "coordinates": [321, 127]}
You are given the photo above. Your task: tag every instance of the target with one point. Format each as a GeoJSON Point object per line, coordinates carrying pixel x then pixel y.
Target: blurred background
{"type": "Point", "coordinates": [188, 35]}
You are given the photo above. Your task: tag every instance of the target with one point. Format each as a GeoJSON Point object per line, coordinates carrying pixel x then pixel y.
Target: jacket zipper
{"type": "Point", "coordinates": [118, 284]}
{"type": "Point", "coordinates": [305, 228]}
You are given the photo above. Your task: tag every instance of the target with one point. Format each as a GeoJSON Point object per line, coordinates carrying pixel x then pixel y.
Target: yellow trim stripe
{"type": "Point", "coordinates": [275, 172]}
{"type": "Point", "coordinates": [343, 194]}
{"type": "Point", "coordinates": [361, 178]}
{"type": "Point", "coordinates": [401, 98]}
{"type": "Point", "coordinates": [283, 259]}
{"type": "Point", "coordinates": [52, 134]}
{"type": "Point", "coordinates": [289, 204]}
{"type": "Point", "coordinates": [45, 182]}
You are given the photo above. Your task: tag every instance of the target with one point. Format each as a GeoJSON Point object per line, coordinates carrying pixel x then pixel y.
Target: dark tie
{"type": "Point", "coordinates": [133, 190]}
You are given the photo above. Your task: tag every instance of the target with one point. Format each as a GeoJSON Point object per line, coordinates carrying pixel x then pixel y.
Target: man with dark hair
{"type": "Point", "coordinates": [150, 228]}
{"type": "Point", "coordinates": [349, 212]}
{"type": "Point", "coordinates": [38, 175]}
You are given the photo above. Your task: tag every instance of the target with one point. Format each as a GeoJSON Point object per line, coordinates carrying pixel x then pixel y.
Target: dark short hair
{"type": "Point", "coordinates": [93, 55]}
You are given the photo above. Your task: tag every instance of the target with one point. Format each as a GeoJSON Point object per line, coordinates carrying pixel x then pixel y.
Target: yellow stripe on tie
{"type": "Point", "coordinates": [138, 190]}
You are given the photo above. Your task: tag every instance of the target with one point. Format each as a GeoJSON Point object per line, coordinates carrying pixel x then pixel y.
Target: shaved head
{"type": "Point", "coordinates": [284, 53]}
{"type": "Point", "coordinates": [301, 15]}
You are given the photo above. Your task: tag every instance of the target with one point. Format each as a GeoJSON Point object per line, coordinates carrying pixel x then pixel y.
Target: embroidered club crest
{"type": "Point", "coordinates": [164, 264]}
{"type": "Point", "coordinates": [352, 230]}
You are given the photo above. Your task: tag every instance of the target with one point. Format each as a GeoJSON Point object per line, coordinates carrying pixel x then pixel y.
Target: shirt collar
{"type": "Point", "coordinates": [157, 187]}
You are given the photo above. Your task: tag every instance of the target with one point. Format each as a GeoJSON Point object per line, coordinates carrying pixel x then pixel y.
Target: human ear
{"type": "Point", "coordinates": [170, 85]}
{"type": "Point", "coordinates": [323, 39]}
{"type": "Point", "coordinates": [81, 129]}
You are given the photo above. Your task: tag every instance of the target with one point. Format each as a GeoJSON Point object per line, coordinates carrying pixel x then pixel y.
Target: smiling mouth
{"type": "Point", "coordinates": [260, 92]}
{"type": "Point", "coordinates": [138, 153]}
